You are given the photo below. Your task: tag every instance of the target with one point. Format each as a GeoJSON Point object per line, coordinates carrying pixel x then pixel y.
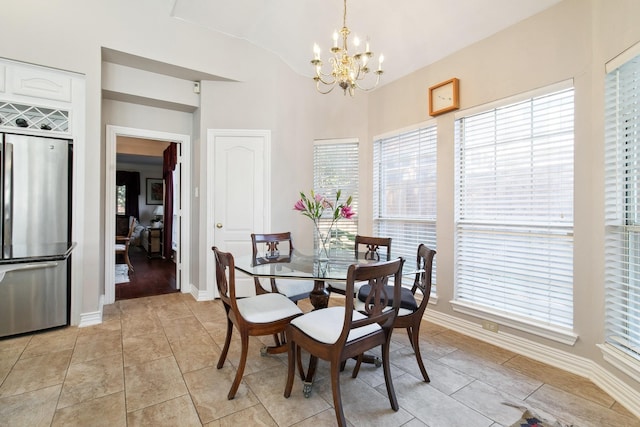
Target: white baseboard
{"type": "Point", "coordinates": [93, 317]}
{"type": "Point", "coordinates": [619, 390]}
{"type": "Point", "coordinates": [199, 295]}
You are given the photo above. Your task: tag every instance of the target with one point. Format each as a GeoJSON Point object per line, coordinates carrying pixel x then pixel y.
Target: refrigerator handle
{"type": "Point", "coordinates": [7, 199]}
{"type": "Point", "coordinates": [1, 186]}
{"type": "Point", "coordinates": [27, 266]}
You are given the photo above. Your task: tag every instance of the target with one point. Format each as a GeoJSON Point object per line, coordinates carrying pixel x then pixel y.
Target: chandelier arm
{"type": "Point", "coordinates": [326, 82]}
{"type": "Point", "coordinates": [330, 86]}
{"type": "Point", "coordinates": [370, 88]}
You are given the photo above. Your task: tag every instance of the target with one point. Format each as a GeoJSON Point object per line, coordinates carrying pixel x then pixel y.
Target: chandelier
{"type": "Point", "coordinates": [346, 71]}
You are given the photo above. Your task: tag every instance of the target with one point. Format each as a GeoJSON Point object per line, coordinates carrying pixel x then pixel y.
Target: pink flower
{"type": "Point", "coordinates": [299, 206]}
{"type": "Point", "coordinates": [346, 212]}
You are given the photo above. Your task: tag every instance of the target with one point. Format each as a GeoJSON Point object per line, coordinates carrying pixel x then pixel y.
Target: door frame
{"type": "Point", "coordinates": [184, 252]}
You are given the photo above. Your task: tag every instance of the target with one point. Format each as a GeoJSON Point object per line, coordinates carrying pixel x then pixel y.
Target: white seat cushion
{"type": "Point", "coordinates": [294, 287]}
{"type": "Point", "coordinates": [120, 247]}
{"type": "Point", "coordinates": [359, 305]}
{"type": "Point", "coordinates": [343, 286]}
{"type": "Point", "coordinates": [267, 308]}
{"type": "Point", "coordinates": [325, 325]}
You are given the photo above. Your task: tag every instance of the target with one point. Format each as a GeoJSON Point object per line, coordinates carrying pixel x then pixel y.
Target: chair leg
{"type": "Point", "coordinates": [415, 343]}
{"type": "Point", "coordinates": [244, 339]}
{"type": "Point", "coordinates": [313, 363]}
{"type": "Point", "coordinates": [291, 353]}
{"type": "Point", "coordinates": [128, 261]}
{"type": "Point", "coordinates": [337, 398]}
{"type": "Point", "coordinates": [410, 334]}
{"type": "Point", "coordinates": [387, 375]}
{"type": "Point", "coordinates": [356, 368]}
{"type": "Point", "coordinates": [299, 362]}
{"type": "Point", "coordinates": [276, 339]}
{"type": "Point", "coordinates": [227, 342]}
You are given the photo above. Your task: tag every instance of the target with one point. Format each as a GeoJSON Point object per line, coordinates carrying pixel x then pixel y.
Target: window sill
{"type": "Point", "coordinates": [621, 360]}
{"type": "Point", "coordinates": [557, 334]}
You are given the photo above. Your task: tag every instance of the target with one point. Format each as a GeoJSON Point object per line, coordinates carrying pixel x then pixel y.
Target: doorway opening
{"type": "Point", "coordinates": [157, 268]}
{"type": "Point", "coordinates": [144, 266]}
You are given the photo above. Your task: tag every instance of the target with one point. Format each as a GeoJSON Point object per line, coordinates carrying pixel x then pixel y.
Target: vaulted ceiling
{"type": "Point", "coordinates": [410, 33]}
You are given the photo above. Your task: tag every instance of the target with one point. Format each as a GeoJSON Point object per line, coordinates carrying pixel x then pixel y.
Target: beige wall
{"type": "Point", "coordinates": [570, 41]}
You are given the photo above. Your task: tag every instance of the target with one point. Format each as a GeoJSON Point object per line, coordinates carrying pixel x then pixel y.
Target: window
{"type": "Point", "coordinates": [514, 211]}
{"type": "Point", "coordinates": [622, 210]}
{"type": "Point", "coordinates": [404, 191]}
{"type": "Point", "coordinates": [127, 193]}
{"type": "Point", "coordinates": [335, 167]}
{"type": "Point", "coordinates": [121, 198]}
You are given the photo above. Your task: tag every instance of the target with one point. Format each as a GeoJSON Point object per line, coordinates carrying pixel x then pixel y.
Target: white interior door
{"type": "Point", "coordinates": [176, 231]}
{"type": "Point", "coordinates": [240, 193]}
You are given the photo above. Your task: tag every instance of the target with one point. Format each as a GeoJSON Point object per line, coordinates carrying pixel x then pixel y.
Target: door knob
{"type": "Point", "coordinates": [218, 225]}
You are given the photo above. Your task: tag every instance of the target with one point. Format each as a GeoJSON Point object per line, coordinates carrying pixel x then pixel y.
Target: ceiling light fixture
{"type": "Point", "coordinates": [347, 71]}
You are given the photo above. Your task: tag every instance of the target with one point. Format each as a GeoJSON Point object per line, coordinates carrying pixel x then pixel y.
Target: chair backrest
{"type": "Point", "coordinates": [424, 270]}
{"type": "Point", "coordinates": [373, 244]}
{"type": "Point", "coordinates": [225, 277]}
{"type": "Point", "coordinates": [132, 225]}
{"type": "Point", "coordinates": [376, 306]}
{"type": "Point", "coordinates": [126, 240]}
{"type": "Point", "coordinates": [271, 241]}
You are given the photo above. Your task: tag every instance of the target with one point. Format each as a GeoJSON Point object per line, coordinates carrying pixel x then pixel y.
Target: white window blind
{"type": "Point", "coordinates": [335, 167]}
{"type": "Point", "coordinates": [404, 191]}
{"type": "Point", "coordinates": [622, 210]}
{"type": "Point", "coordinates": [514, 209]}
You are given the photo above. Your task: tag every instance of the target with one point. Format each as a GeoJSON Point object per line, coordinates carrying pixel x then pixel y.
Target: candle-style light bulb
{"type": "Point", "coordinates": [316, 51]}
{"type": "Point", "coordinates": [380, 61]}
{"type": "Point", "coordinates": [335, 38]}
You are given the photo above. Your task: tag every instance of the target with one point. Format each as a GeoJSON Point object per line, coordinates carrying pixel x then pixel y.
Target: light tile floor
{"type": "Point", "coordinates": [152, 362]}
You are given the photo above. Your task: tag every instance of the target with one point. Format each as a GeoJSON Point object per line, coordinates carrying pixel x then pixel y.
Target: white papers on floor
{"type": "Point", "coordinates": [122, 273]}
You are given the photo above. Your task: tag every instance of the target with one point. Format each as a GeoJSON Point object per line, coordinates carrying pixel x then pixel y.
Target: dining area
{"type": "Point", "coordinates": [369, 285]}
{"type": "Point", "coordinates": [153, 361]}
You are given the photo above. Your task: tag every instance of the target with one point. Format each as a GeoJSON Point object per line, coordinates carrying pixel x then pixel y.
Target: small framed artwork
{"type": "Point", "coordinates": [444, 97]}
{"type": "Point", "coordinates": [155, 191]}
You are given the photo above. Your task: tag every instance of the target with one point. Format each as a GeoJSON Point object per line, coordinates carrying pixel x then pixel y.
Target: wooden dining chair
{"type": "Point", "coordinates": [366, 247]}
{"type": "Point", "coordinates": [260, 315]}
{"type": "Point", "coordinates": [413, 303]}
{"type": "Point", "coordinates": [338, 333]}
{"type": "Point", "coordinates": [123, 243]}
{"type": "Point", "coordinates": [274, 243]}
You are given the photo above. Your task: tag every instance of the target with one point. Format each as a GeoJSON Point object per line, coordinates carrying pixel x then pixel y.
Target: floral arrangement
{"type": "Point", "coordinates": [314, 207]}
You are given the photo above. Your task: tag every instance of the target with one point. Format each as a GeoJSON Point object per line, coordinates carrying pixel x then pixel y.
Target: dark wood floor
{"type": "Point", "coordinates": [150, 277]}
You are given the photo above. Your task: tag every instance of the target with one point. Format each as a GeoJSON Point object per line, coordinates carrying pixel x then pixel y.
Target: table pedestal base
{"type": "Point", "coordinates": [319, 296]}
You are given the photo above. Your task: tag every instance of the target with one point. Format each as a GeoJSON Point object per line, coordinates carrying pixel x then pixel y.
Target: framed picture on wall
{"type": "Point", "coordinates": [155, 191]}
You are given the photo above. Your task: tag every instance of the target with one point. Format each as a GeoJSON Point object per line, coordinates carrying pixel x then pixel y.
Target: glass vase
{"type": "Point", "coordinates": [323, 244]}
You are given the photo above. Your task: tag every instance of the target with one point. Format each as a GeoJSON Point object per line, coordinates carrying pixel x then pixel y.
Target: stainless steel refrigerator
{"type": "Point", "coordinates": [35, 229]}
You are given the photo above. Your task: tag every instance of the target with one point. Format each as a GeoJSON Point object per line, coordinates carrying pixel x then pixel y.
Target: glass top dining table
{"type": "Point", "coordinates": [303, 266]}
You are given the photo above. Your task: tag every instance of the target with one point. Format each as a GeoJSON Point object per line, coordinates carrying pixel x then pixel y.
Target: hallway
{"type": "Point", "coordinates": [151, 277]}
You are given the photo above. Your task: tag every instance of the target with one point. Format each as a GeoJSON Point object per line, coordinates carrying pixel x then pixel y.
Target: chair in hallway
{"type": "Point", "coordinates": [338, 333]}
{"type": "Point", "coordinates": [293, 289]}
{"type": "Point", "coordinates": [123, 243]}
{"type": "Point", "coordinates": [411, 308]}
{"type": "Point", "coordinates": [373, 246]}
{"type": "Point", "coordinates": [260, 315]}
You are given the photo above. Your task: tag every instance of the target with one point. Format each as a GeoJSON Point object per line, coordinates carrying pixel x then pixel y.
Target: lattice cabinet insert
{"type": "Point", "coordinates": [14, 115]}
